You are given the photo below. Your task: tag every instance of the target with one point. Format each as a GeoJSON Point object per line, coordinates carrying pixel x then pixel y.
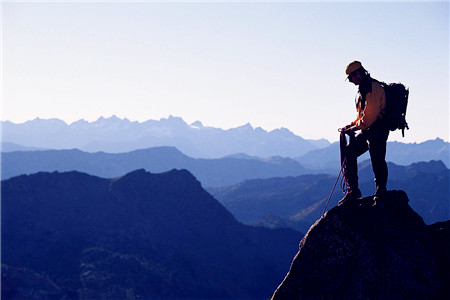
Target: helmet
{"type": "Point", "coordinates": [352, 67]}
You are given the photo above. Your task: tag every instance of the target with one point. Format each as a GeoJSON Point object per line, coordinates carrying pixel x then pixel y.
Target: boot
{"type": "Point", "coordinates": [351, 195]}
{"type": "Point", "coordinates": [380, 196]}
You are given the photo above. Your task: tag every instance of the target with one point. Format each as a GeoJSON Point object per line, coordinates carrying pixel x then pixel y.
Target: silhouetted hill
{"type": "Point", "coordinates": [361, 251]}
{"type": "Point", "coordinates": [326, 160]}
{"type": "Point", "coordinates": [210, 172]}
{"type": "Point", "coordinates": [115, 135]}
{"type": "Point", "coordinates": [142, 235]}
{"type": "Point", "coordinates": [405, 154]}
{"type": "Point", "coordinates": [298, 201]}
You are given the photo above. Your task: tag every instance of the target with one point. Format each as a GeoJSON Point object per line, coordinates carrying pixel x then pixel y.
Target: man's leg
{"type": "Point", "coordinates": [377, 150]}
{"type": "Point", "coordinates": [355, 148]}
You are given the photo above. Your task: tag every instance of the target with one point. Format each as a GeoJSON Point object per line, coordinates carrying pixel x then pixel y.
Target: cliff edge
{"type": "Point", "coordinates": [363, 251]}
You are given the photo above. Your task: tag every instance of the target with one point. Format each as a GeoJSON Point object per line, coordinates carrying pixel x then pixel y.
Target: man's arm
{"type": "Point", "coordinates": [375, 102]}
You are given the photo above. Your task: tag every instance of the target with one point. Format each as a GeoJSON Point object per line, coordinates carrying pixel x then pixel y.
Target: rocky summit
{"type": "Point", "coordinates": [364, 251]}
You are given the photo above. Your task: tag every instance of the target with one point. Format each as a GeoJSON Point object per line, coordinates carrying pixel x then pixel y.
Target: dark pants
{"type": "Point", "coordinates": [373, 139]}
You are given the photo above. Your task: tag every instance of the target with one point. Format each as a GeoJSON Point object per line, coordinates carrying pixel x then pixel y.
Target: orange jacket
{"type": "Point", "coordinates": [375, 103]}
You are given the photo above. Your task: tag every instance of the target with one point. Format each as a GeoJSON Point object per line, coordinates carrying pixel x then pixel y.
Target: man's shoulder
{"type": "Point", "coordinates": [371, 86]}
{"type": "Point", "coordinates": [366, 86]}
{"type": "Point", "coordinates": [377, 85]}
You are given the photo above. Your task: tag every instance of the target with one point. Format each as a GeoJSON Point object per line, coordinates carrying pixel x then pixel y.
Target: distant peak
{"type": "Point", "coordinates": [80, 121]}
{"type": "Point", "coordinates": [113, 117]}
{"type": "Point", "coordinates": [174, 118]}
{"type": "Point", "coordinates": [173, 121]}
{"type": "Point", "coordinates": [111, 120]}
{"type": "Point", "coordinates": [282, 130]}
{"type": "Point", "coordinates": [247, 126]}
{"type": "Point", "coordinates": [47, 121]}
{"type": "Point", "coordinates": [197, 124]}
{"type": "Point", "coordinates": [284, 133]}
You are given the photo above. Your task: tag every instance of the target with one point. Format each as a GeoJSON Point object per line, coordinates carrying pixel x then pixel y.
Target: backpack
{"type": "Point", "coordinates": [396, 104]}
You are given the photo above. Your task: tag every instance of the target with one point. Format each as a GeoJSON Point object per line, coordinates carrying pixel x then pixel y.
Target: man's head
{"type": "Point", "coordinates": [355, 72]}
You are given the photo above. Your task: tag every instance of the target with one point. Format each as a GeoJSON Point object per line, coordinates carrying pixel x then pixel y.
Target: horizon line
{"type": "Point", "coordinates": [114, 116]}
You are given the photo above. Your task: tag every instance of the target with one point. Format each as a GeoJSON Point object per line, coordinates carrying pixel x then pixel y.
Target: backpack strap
{"type": "Point", "coordinates": [384, 85]}
{"type": "Point", "coordinates": [364, 88]}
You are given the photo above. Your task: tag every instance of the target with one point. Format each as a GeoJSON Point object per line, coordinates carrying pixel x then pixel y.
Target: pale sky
{"type": "Point", "coordinates": [270, 64]}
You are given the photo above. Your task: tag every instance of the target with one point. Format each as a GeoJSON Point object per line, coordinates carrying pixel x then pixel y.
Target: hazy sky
{"type": "Point", "coordinates": [272, 64]}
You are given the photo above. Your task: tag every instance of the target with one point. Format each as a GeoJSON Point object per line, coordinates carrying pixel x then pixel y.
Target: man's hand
{"type": "Point", "coordinates": [349, 129]}
{"type": "Point", "coordinates": [346, 128]}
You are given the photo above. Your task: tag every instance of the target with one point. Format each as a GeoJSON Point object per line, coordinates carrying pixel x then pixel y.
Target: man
{"type": "Point", "coordinates": [373, 135]}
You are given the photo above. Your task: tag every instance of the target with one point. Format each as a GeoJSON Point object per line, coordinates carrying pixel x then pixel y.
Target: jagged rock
{"type": "Point", "coordinates": [361, 251]}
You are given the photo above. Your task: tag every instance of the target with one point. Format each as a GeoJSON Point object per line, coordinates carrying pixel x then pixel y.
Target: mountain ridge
{"type": "Point", "coordinates": [151, 235]}
{"type": "Point", "coordinates": [115, 135]}
{"type": "Point", "coordinates": [327, 159]}
{"type": "Point", "coordinates": [296, 202]}
{"type": "Point", "coordinates": [211, 172]}
{"type": "Point", "coordinates": [121, 135]}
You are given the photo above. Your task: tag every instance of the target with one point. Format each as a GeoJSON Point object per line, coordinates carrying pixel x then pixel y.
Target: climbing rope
{"type": "Point", "coordinates": [343, 184]}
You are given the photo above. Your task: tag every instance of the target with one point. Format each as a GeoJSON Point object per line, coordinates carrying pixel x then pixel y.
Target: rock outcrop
{"type": "Point", "coordinates": [364, 251]}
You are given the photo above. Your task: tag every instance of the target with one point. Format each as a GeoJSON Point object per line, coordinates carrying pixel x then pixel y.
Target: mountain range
{"type": "Point", "coordinates": [297, 202]}
{"type": "Point", "coordinates": [88, 231]}
{"type": "Point", "coordinates": [210, 172]}
{"type": "Point", "coordinates": [114, 135]}
{"type": "Point", "coordinates": [138, 236]}
{"type": "Point", "coordinates": [219, 172]}
{"type": "Point", "coordinates": [327, 159]}
{"type": "Point", "coordinates": [274, 192]}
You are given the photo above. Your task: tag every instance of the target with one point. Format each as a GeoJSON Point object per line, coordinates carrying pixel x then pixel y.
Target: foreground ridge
{"type": "Point", "coordinates": [142, 235]}
{"type": "Point", "coordinates": [358, 250]}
